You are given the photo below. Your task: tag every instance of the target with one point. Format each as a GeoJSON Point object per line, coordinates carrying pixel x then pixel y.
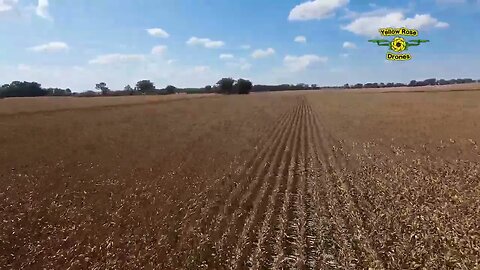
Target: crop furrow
{"type": "Point", "coordinates": [352, 215]}
{"type": "Point", "coordinates": [302, 204]}
{"type": "Point", "coordinates": [312, 235]}
{"type": "Point", "coordinates": [205, 212]}
{"type": "Point", "coordinates": [324, 241]}
{"type": "Point", "coordinates": [252, 224]}
{"type": "Point", "coordinates": [334, 246]}
{"type": "Point", "coordinates": [211, 233]}
{"type": "Point", "coordinates": [275, 248]}
{"type": "Point", "coordinates": [293, 242]}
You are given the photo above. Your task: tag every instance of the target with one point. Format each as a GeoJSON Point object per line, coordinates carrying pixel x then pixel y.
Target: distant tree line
{"type": "Point", "coordinates": [30, 89]}
{"type": "Point", "coordinates": [284, 87]}
{"type": "Point", "coordinates": [413, 83]}
{"type": "Point", "coordinates": [231, 86]}
{"type": "Point", "coordinates": [223, 86]}
{"type": "Point", "coordinates": [143, 87]}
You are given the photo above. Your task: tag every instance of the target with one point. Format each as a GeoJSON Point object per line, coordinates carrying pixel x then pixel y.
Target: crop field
{"type": "Point", "coordinates": [289, 180]}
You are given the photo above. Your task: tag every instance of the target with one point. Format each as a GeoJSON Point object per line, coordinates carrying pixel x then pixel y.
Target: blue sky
{"type": "Point", "coordinates": [79, 43]}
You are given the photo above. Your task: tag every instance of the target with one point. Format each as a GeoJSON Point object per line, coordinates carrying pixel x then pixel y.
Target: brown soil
{"type": "Point", "coordinates": [42, 104]}
{"type": "Point", "coordinates": [297, 180]}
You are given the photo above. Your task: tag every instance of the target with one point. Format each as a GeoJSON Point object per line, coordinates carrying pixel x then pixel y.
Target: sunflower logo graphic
{"type": "Point", "coordinates": [398, 44]}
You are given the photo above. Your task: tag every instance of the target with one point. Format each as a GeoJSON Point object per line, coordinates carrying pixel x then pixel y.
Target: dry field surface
{"type": "Point", "coordinates": [42, 104]}
{"type": "Point", "coordinates": [429, 88]}
{"type": "Point", "coordinates": [293, 180]}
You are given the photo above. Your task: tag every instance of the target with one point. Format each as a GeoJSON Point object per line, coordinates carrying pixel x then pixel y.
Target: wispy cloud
{"type": "Point", "coordinates": [369, 25]}
{"type": "Point", "coordinates": [42, 9]}
{"type": "Point", "coordinates": [6, 5]}
{"type": "Point", "coordinates": [158, 32]}
{"type": "Point", "coordinates": [159, 50]}
{"type": "Point", "coordinates": [263, 53]}
{"type": "Point", "coordinates": [349, 45]}
{"type": "Point", "coordinates": [241, 64]}
{"type": "Point", "coordinates": [205, 42]}
{"type": "Point", "coordinates": [201, 69]}
{"type": "Point", "coordinates": [299, 63]}
{"type": "Point", "coordinates": [55, 46]}
{"type": "Point", "coordinates": [226, 56]}
{"type": "Point", "coordinates": [107, 59]}
{"type": "Point", "coordinates": [316, 10]}
{"type": "Point", "coordinates": [300, 39]}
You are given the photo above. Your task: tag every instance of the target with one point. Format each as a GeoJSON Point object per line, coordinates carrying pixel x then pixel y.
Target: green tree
{"type": "Point", "coordinates": [225, 85]}
{"type": "Point", "coordinates": [170, 90]}
{"type": "Point", "coordinates": [22, 89]}
{"type": "Point", "coordinates": [244, 86]}
{"type": "Point", "coordinates": [128, 89]}
{"type": "Point", "coordinates": [102, 87]}
{"type": "Point", "coordinates": [208, 89]}
{"type": "Point", "coordinates": [145, 86]}
{"type": "Point", "coordinates": [58, 92]}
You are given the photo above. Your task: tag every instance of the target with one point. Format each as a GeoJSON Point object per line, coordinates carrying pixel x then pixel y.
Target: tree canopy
{"type": "Point", "coordinates": [170, 90]}
{"type": "Point", "coordinates": [145, 86]}
{"type": "Point", "coordinates": [243, 86]}
{"type": "Point", "coordinates": [22, 89]}
{"type": "Point", "coordinates": [102, 87]}
{"type": "Point", "coordinates": [225, 85]}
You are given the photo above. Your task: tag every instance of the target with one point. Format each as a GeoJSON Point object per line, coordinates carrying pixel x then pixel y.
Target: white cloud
{"type": "Point", "coordinates": [116, 58]}
{"type": "Point", "coordinates": [6, 5]}
{"type": "Point", "coordinates": [42, 9]}
{"type": "Point", "coordinates": [55, 46]}
{"type": "Point", "coordinates": [225, 56]}
{"type": "Point", "coordinates": [300, 39]}
{"type": "Point", "coordinates": [159, 50]}
{"type": "Point", "coordinates": [299, 63]}
{"type": "Point", "coordinates": [377, 12]}
{"type": "Point", "coordinates": [349, 45]}
{"type": "Point", "coordinates": [171, 61]}
{"type": "Point", "coordinates": [245, 47]}
{"type": "Point", "coordinates": [241, 64]}
{"type": "Point", "coordinates": [201, 69]}
{"type": "Point", "coordinates": [369, 25]}
{"type": "Point", "coordinates": [344, 55]}
{"type": "Point", "coordinates": [442, 25]}
{"type": "Point", "coordinates": [23, 67]}
{"type": "Point", "coordinates": [316, 10]}
{"type": "Point", "coordinates": [158, 32]}
{"type": "Point", "coordinates": [245, 66]}
{"type": "Point", "coordinates": [263, 53]}
{"type": "Point", "coordinates": [205, 42]}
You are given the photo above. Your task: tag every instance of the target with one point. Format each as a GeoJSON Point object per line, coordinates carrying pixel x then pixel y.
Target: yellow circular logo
{"type": "Point", "coordinates": [398, 44]}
